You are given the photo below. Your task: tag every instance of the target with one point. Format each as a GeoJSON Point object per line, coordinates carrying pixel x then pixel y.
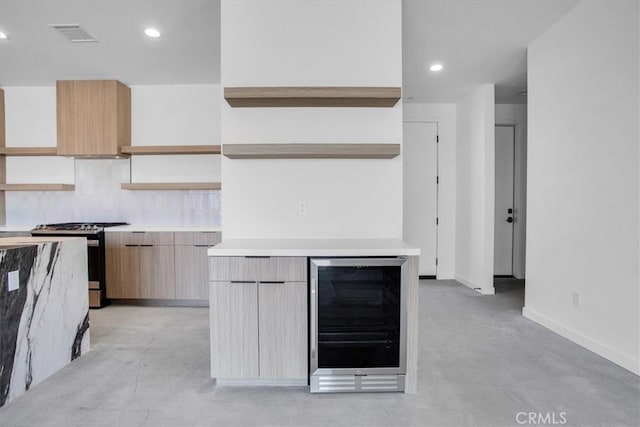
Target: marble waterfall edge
{"type": "Point", "coordinates": [46, 320]}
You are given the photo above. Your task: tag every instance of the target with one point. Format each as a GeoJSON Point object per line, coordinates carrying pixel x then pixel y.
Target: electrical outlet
{"type": "Point", "coordinates": [13, 280]}
{"type": "Point", "coordinates": [576, 299]}
{"type": "Point", "coordinates": [303, 207]}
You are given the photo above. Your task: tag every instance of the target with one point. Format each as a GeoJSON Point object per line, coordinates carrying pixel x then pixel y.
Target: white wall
{"type": "Point", "coordinates": [516, 115]}
{"type": "Point", "coordinates": [583, 184]}
{"type": "Point", "coordinates": [475, 189]}
{"type": "Point", "coordinates": [445, 116]}
{"type": "Point", "coordinates": [161, 115]}
{"type": "Point", "coordinates": [175, 115]}
{"type": "Point", "coordinates": [312, 43]}
{"type": "Point", "coordinates": [30, 116]}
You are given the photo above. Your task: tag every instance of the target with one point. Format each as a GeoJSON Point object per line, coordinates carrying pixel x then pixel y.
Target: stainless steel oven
{"type": "Point", "coordinates": [358, 324]}
{"type": "Point", "coordinates": [94, 233]}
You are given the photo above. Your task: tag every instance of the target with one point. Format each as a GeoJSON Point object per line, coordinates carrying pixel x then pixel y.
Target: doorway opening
{"type": "Point", "coordinates": [510, 209]}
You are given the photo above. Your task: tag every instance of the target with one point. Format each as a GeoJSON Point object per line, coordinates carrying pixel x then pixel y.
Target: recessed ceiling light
{"type": "Point", "coordinates": [3, 36]}
{"type": "Point", "coordinates": [436, 67]}
{"type": "Point", "coordinates": [523, 93]}
{"type": "Point", "coordinates": [152, 32]}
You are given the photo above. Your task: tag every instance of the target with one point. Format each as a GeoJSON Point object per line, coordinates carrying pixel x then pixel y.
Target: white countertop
{"type": "Point", "coordinates": [313, 247]}
{"type": "Point", "coordinates": [160, 228]}
{"type": "Point", "coordinates": [10, 228]}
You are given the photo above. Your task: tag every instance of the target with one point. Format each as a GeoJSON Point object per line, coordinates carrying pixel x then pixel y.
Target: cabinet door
{"type": "Point", "coordinates": [192, 272]}
{"type": "Point", "coordinates": [122, 266]}
{"type": "Point", "coordinates": [283, 330]}
{"type": "Point", "coordinates": [93, 117]}
{"type": "Point", "coordinates": [234, 329]}
{"type": "Point", "coordinates": [157, 272]}
{"type": "Point", "coordinates": [204, 238]}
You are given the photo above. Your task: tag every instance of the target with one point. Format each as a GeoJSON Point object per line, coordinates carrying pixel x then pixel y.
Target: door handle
{"type": "Point", "coordinates": [510, 220]}
{"type": "Point", "coordinates": [313, 319]}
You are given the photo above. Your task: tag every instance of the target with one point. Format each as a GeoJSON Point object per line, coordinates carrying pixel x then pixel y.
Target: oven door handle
{"type": "Point", "coordinates": [314, 321]}
{"type": "Point", "coordinates": [93, 243]}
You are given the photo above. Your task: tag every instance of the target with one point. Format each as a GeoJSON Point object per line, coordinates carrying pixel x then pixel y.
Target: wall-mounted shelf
{"type": "Point", "coordinates": [28, 151]}
{"type": "Point", "coordinates": [171, 186]}
{"type": "Point", "coordinates": [312, 96]}
{"type": "Point", "coordinates": [37, 187]}
{"type": "Point", "coordinates": [169, 149]}
{"type": "Point", "coordinates": [311, 151]}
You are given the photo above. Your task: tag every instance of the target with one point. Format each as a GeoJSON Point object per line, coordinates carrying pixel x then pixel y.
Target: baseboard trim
{"type": "Point", "coordinates": [601, 349]}
{"type": "Point", "coordinates": [145, 302]}
{"type": "Point", "coordinates": [257, 382]}
{"type": "Point", "coordinates": [476, 287]}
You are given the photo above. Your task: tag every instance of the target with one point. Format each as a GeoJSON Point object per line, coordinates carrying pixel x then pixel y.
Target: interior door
{"type": "Point", "coordinates": [504, 214]}
{"type": "Point", "coordinates": [420, 171]}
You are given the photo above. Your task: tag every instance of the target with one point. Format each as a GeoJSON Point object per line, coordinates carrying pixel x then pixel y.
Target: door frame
{"type": "Point", "coordinates": [519, 195]}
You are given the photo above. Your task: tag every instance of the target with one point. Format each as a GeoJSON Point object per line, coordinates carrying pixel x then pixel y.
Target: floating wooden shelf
{"type": "Point", "coordinates": [28, 151]}
{"type": "Point", "coordinates": [170, 149]}
{"type": "Point", "coordinates": [312, 96]}
{"type": "Point", "coordinates": [37, 187]}
{"type": "Point", "coordinates": [171, 186]}
{"type": "Point", "coordinates": [311, 151]}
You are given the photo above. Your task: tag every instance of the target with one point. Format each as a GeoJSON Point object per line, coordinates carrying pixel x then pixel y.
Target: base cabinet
{"type": "Point", "coordinates": [282, 322]}
{"type": "Point", "coordinates": [258, 318]}
{"type": "Point", "coordinates": [234, 342]}
{"type": "Point", "coordinates": [158, 265]}
{"type": "Point", "coordinates": [191, 260]}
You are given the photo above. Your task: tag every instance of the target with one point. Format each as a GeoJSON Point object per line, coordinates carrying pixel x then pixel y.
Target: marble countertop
{"type": "Point", "coordinates": [11, 242]}
{"type": "Point", "coordinates": [313, 247]}
{"type": "Point", "coordinates": [167, 228]}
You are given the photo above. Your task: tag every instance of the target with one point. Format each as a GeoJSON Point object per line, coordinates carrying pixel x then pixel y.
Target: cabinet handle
{"type": "Point", "coordinates": [313, 319]}
{"type": "Point", "coordinates": [272, 282]}
{"type": "Point", "coordinates": [257, 257]}
{"type": "Point", "coordinates": [201, 246]}
{"type": "Point", "coordinates": [241, 282]}
{"type": "Point", "coordinates": [138, 232]}
{"type": "Point", "coordinates": [131, 246]}
{"type": "Point", "coordinates": [146, 246]}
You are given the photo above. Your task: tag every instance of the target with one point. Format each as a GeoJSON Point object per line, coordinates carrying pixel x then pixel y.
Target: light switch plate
{"type": "Point", "coordinates": [13, 280]}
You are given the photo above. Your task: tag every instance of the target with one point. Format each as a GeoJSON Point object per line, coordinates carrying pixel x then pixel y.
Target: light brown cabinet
{"type": "Point", "coordinates": [140, 265]}
{"type": "Point", "coordinates": [158, 265]}
{"type": "Point", "coordinates": [258, 317]}
{"type": "Point", "coordinates": [234, 339]}
{"type": "Point", "coordinates": [282, 322]}
{"type": "Point", "coordinates": [93, 117]}
{"type": "Point", "coordinates": [191, 263]}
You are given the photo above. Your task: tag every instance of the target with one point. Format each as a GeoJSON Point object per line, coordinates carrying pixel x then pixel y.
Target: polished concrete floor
{"type": "Point", "coordinates": [481, 364]}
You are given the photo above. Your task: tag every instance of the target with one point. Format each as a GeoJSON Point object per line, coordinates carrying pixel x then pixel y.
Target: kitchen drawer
{"type": "Point", "coordinates": [258, 269]}
{"type": "Point", "coordinates": [197, 238]}
{"type": "Point", "coordinates": [156, 238]}
{"type": "Point", "coordinates": [94, 298]}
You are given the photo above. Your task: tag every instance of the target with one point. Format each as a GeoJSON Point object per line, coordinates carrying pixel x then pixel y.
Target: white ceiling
{"type": "Point", "coordinates": [188, 51]}
{"type": "Point", "coordinates": [478, 41]}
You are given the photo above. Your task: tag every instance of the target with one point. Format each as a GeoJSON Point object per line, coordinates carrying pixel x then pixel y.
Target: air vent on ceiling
{"type": "Point", "coordinates": [73, 33]}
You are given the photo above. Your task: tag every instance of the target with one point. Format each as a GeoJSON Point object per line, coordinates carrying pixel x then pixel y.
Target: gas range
{"type": "Point", "coordinates": [96, 253]}
{"type": "Point", "coordinates": [74, 228]}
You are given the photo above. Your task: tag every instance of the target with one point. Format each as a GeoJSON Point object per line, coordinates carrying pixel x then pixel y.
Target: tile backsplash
{"type": "Point", "coordinates": [98, 197]}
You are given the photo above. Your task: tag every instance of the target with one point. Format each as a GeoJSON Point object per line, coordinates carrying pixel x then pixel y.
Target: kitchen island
{"type": "Point", "coordinates": [260, 303]}
{"type": "Point", "coordinates": [44, 309]}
